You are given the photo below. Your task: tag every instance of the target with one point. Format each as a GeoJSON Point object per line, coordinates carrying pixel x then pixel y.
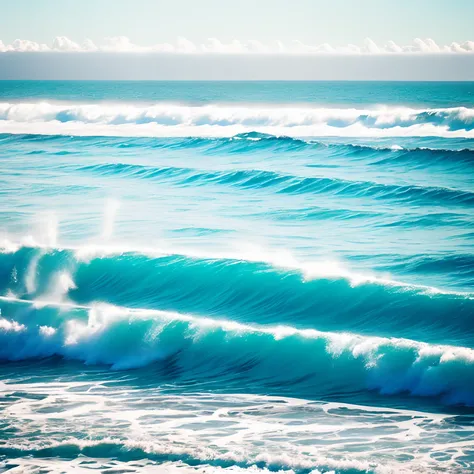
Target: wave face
{"type": "Point", "coordinates": [246, 291]}
{"type": "Point", "coordinates": [212, 278]}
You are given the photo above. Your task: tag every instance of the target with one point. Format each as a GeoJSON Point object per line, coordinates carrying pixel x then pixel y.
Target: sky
{"type": "Point", "coordinates": [104, 32]}
{"type": "Point", "coordinates": [337, 22]}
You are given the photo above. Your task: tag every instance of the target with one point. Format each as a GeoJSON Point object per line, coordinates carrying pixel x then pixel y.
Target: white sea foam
{"type": "Point", "coordinates": [217, 434]}
{"type": "Point", "coordinates": [168, 120]}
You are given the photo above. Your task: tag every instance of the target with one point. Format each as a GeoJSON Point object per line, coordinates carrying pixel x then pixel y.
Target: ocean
{"type": "Point", "coordinates": [236, 277]}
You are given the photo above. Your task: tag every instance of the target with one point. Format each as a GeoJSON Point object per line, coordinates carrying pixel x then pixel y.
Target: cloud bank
{"type": "Point", "coordinates": [122, 44]}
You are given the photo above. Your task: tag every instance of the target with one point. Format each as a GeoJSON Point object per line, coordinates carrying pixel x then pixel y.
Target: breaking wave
{"type": "Point", "coordinates": [222, 120]}
{"type": "Point", "coordinates": [262, 289]}
{"type": "Point", "coordinates": [283, 359]}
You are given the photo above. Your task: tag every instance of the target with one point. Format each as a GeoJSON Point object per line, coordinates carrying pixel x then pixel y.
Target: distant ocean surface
{"type": "Point", "coordinates": [236, 277]}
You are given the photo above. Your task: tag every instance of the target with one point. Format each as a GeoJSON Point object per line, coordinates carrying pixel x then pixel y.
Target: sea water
{"type": "Point", "coordinates": [236, 277]}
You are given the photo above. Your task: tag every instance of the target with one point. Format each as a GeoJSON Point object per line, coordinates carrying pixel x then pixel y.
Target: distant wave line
{"type": "Point", "coordinates": [218, 120]}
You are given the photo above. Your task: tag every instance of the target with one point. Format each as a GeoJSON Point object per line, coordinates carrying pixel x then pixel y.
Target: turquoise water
{"type": "Point", "coordinates": [236, 277]}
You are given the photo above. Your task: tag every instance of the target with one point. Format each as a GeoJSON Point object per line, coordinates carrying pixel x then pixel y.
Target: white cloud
{"type": "Point", "coordinates": [422, 46]}
{"type": "Point", "coordinates": [119, 44]}
{"type": "Point", "coordinates": [392, 47]}
{"type": "Point", "coordinates": [213, 45]}
{"type": "Point", "coordinates": [185, 46]}
{"type": "Point", "coordinates": [24, 46]}
{"type": "Point", "coordinates": [468, 45]}
{"type": "Point", "coordinates": [61, 43]}
{"type": "Point", "coordinates": [123, 44]}
{"type": "Point", "coordinates": [89, 45]}
{"type": "Point", "coordinates": [324, 48]}
{"type": "Point", "coordinates": [370, 47]}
